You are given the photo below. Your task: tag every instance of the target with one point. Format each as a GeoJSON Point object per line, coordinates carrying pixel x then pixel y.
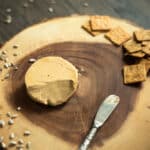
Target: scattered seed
{"type": "Point", "coordinates": [18, 108]}
{"type": "Point", "coordinates": [4, 52]}
{"type": "Point", "coordinates": [10, 122]}
{"type": "Point", "coordinates": [2, 57]}
{"type": "Point", "coordinates": [25, 5]}
{"type": "Point", "coordinates": [15, 46]}
{"type": "Point", "coordinates": [7, 76]}
{"type": "Point", "coordinates": [27, 133]}
{"type": "Point", "coordinates": [20, 141]}
{"type": "Point", "coordinates": [85, 4]}
{"type": "Point", "coordinates": [8, 114]}
{"type": "Point", "coordinates": [11, 136]}
{"type": "Point", "coordinates": [15, 68]}
{"type": "Point", "coordinates": [12, 143]}
{"type": "Point", "coordinates": [28, 145]}
{"type": "Point", "coordinates": [8, 10]}
{"type": "Point", "coordinates": [14, 116]}
{"type": "Point", "coordinates": [2, 123]}
{"type": "Point", "coordinates": [32, 60]}
{"type": "Point", "coordinates": [1, 139]}
{"type": "Point", "coordinates": [8, 19]}
{"type": "Point", "coordinates": [7, 65]}
{"type": "Point", "coordinates": [3, 145]}
{"type": "Point", "coordinates": [50, 9]}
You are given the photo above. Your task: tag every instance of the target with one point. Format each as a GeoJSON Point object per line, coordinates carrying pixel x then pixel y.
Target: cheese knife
{"type": "Point", "coordinates": [103, 113]}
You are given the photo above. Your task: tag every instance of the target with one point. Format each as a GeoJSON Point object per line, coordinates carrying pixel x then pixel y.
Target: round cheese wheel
{"type": "Point", "coordinates": [51, 80]}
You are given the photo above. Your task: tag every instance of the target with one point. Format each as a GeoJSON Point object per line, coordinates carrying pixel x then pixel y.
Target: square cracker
{"type": "Point", "coordinates": [87, 28]}
{"type": "Point", "coordinates": [100, 23]}
{"type": "Point", "coordinates": [118, 36]}
{"type": "Point", "coordinates": [134, 73]}
{"type": "Point", "coordinates": [132, 46]}
{"type": "Point", "coordinates": [139, 54]}
{"type": "Point", "coordinates": [146, 49]}
{"type": "Point", "coordinates": [147, 64]}
{"type": "Point", "coordinates": [142, 35]}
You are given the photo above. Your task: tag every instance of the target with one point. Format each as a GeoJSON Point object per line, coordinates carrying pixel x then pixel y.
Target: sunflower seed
{"type": "Point", "coordinates": [7, 65]}
{"type": "Point", "coordinates": [2, 123]}
{"type": "Point", "coordinates": [12, 143]}
{"type": "Point", "coordinates": [18, 108]}
{"type": "Point", "coordinates": [4, 52]}
{"type": "Point", "coordinates": [14, 116]}
{"type": "Point", "coordinates": [15, 46]}
{"type": "Point", "coordinates": [85, 4]}
{"type": "Point", "coordinates": [11, 136]}
{"type": "Point", "coordinates": [15, 68]}
{"type": "Point", "coordinates": [25, 5]}
{"type": "Point", "coordinates": [8, 10]}
{"type": "Point", "coordinates": [31, 60]}
{"type": "Point", "coordinates": [20, 141]}
{"type": "Point", "coordinates": [8, 19]}
{"type": "Point", "coordinates": [50, 9]}
{"type": "Point", "coordinates": [10, 122]}
{"type": "Point", "coordinates": [3, 145]}
{"type": "Point", "coordinates": [27, 133]}
{"type": "Point", "coordinates": [8, 114]}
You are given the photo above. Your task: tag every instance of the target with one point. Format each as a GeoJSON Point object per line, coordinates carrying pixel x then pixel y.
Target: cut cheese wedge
{"type": "Point", "coordinates": [51, 80]}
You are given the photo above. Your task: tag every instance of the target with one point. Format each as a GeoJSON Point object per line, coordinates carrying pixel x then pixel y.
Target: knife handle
{"type": "Point", "coordinates": [88, 139]}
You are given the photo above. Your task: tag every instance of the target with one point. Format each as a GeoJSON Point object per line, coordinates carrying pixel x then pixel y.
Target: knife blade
{"type": "Point", "coordinates": [103, 113]}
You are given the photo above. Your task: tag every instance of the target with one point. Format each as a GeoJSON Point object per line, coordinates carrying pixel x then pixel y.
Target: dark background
{"type": "Point", "coordinates": [137, 11]}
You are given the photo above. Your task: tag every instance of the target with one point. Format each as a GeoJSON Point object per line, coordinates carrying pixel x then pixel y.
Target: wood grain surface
{"type": "Point", "coordinates": [100, 65]}
{"type": "Point", "coordinates": [72, 120]}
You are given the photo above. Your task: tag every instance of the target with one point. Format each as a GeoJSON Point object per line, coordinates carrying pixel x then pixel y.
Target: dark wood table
{"type": "Point", "coordinates": [27, 12]}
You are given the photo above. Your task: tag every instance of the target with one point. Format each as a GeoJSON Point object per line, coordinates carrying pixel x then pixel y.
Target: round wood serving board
{"type": "Point", "coordinates": [100, 65]}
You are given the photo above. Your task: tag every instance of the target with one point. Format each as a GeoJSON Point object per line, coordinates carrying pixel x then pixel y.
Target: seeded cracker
{"type": "Point", "coordinates": [87, 27]}
{"type": "Point", "coordinates": [134, 73]}
{"type": "Point", "coordinates": [139, 54]}
{"type": "Point", "coordinates": [118, 36]}
{"type": "Point", "coordinates": [142, 35]}
{"type": "Point", "coordinates": [100, 23]}
{"type": "Point", "coordinates": [132, 46]}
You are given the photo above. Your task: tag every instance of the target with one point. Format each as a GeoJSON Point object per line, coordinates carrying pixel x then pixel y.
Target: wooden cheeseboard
{"type": "Point", "coordinates": [100, 65]}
